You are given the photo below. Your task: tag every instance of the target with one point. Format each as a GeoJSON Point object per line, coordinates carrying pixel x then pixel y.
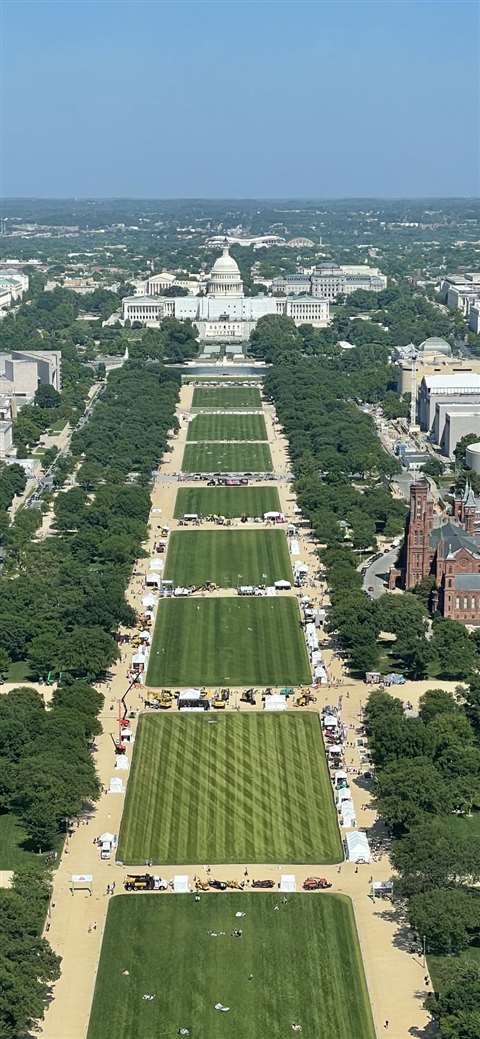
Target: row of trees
{"type": "Point", "coordinates": [427, 787]}
{"type": "Point", "coordinates": [61, 601]}
{"type": "Point", "coordinates": [341, 473]}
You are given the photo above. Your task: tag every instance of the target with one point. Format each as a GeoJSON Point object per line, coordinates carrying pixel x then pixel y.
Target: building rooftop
{"type": "Point", "coordinates": [455, 381]}
{"type": "Point", "coordinates": [455, 537]}
{"type": "Point", "coordinates": [467, 583]}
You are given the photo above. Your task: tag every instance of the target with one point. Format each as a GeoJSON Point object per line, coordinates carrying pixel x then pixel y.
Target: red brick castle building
{"type": "Point", "coordinates": [448, 551]}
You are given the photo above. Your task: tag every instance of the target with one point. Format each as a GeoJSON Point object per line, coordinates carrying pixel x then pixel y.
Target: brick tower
{"type": "Point", "coordinates": [418, 553]}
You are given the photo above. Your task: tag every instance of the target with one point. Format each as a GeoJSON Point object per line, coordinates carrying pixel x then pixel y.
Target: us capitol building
{"type": "Point", "coordinates": [224, 314]}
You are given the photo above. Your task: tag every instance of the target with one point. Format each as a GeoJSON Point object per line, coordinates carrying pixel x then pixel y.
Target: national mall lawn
{"type": "Point", "coordinates": [299, 965]}
{"type": "Point", "coordinates": [226, 397]}
{"type": "Point", "coordinates": [229, 641]}
{"type": "Point", "coordinates": [219, 457]}
{"type": "Point", "coordinates": [229, 502]}
{"type": "Point", "coordinates": [227, 427]}
{"type": "Point", "coordinates": [229, 558]}
{"type": "Point", "coordinates": [233, 787]}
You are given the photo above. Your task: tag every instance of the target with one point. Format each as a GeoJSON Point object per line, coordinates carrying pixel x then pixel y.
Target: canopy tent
{"type": "Point", "coordinates": [157, 564]}
{"type": "Point", "coordinates": [299, 567]}
{"type": "Point", "coordinates": [275, 703]}
{"type": "Point", "coordinates": [273, 516]}
{"type": "Point", "coordinates": [330, 721]}
{"type": "Point", "coordinates": [180, 884]}
{"type": "Point", "coordinates": [153, 580]}
{"type": "Point", "coordinates": [294, 548]}
{"type": "Point", "coordinates": [347, 815]}
{"type": "Point", "coordinates": [139, 660]}
{"type": "Point", "coordinates": [121, 762]}
{"type": "Point", "coordinates": [81, 882]}
{"type": "Point", "coordinates": [288, 882]}
{"type": "Point", "coordinates": [358, 848]}
{"type": "Point", "coordinates": [282, 585]}
{"type": "Point", "coordinates": [149, 599]}
{"type": "Point", "coordinates": [108, 838]}
{"type": "Point", "coordinates": [189, 695]}
{"type": "Point", "coordinates": [343, 793]}
{"type": "Point", "coordinates": [145, 635]}
{"type": "Point", "coordinates": [116, 785]}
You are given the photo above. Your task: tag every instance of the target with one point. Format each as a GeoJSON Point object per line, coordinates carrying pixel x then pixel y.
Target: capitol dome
{"type": "Point", "coordinates": [435, 345]}
{"type": "Point", "coordinates": [225, 279]}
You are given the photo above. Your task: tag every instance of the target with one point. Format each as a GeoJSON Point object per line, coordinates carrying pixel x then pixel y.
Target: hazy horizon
{"type": "Point", "coordinates": [240, 100]}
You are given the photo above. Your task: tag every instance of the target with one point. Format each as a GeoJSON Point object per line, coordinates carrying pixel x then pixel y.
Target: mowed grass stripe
{"type": "Point", "coordinates": [230, 502]}
{"type": "Point", "coordinates": [227, 427]}
{"type": "Point", "coordinates": [216, 457]}
{"type": "Point", "coordinates": [228, 641]}
{"type": "Point", "coordinates": [226, 397]}
{"type": "Point", "coordinates": [247, 788]}
{"type": "Point", "coordinates": [228, 557]}
{"type": "Point", "coordinates": [305, 960]}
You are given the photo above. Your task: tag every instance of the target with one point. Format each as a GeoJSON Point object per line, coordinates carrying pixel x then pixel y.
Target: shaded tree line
{"type": "Point", "coordinates": [427, 769]}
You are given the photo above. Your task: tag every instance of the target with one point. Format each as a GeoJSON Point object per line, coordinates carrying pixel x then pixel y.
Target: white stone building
{"type": "Point", "coordinates": [330, 280]}
{"type": "Point", "coordinates": [13, 285]}
{"type": "Point", "coordinates": [224, 314]}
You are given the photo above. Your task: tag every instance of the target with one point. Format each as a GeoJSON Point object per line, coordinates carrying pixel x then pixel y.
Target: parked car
{"type": "Point", "coordinates": [263, 883]}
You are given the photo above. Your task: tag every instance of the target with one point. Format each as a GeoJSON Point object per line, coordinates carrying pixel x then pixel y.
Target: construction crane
{"type": "Point", "coordinates": [119, 743]}
{"type": "Point", "coordinates": [413, 401]}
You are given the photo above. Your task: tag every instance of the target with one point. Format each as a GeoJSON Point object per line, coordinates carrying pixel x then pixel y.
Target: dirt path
{"type": "Point", "coordinates": [76, 922]}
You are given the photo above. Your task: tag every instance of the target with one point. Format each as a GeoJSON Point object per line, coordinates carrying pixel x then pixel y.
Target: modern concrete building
{"type": "Point", "coordinates": [457, 388]}
{"type": "Point", "coordinates": [224, 314]}
{"type": "Point", "coordinates": [459, 422]}
{"type": "Point", "coordinates": [474, 318]}
{"type": "Point", "coordinates": [22, 371]}
{"type": "Point", "coordinates": [458, 290]}
{"type": "Point", "coordinates": [472, 457]}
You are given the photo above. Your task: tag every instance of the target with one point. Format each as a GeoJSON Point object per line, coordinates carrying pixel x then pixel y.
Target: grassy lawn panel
{"type": "Point", "coordinates": [230, 502]}
{"type": "Point", "coordinates": [228, 641]}
{"type": "Point", "coordinates": [249, 788]}
{"type": "Point", "coordinates": [227, 427]}
{"type": "Point", "coordinates": [228, 397]}
{"type": "Point", "coordinates": [305, 961]}
{"type": "Point", "coordinates": [227, 458]}
{"type": "Point", "coordinates": [228, 557]}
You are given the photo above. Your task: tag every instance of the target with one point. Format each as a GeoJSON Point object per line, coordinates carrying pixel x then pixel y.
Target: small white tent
{"type": "Point", "coordinates": [180, 884]}
{"type": "Point", "coordinates": [275, 703]}
{"type": "Point", "coordinates": [358, 848]}
{"type": "Point", "coordinates": [153, 580]}
{"type": "Point", "coordinates": [116, 786]}
{"type": "Point", "coordinates": [288, 882]}
{"type": "Point", "coordinates": [149, 599]}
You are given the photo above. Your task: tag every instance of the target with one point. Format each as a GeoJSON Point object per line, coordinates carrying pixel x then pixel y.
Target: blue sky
{"type": "Point", "coordinates": [239, 99]}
